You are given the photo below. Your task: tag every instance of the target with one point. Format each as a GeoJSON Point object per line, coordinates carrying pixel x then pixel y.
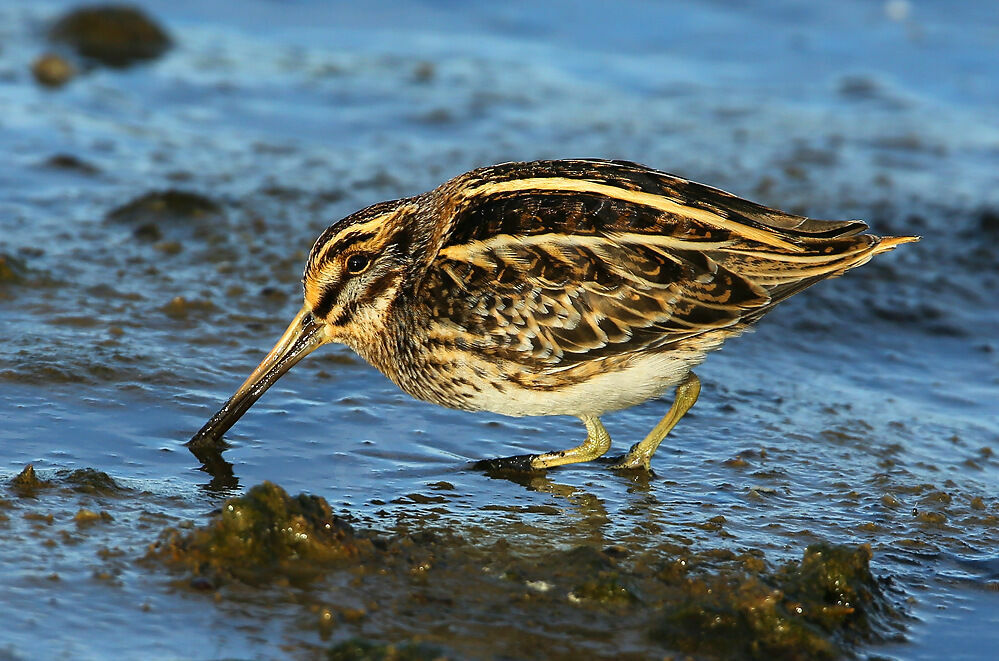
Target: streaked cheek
{"type": "Point", "coordinates": [380, 285]}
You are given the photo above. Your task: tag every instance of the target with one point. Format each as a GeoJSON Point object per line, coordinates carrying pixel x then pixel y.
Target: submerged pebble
{"type": "Point", "coordinates": [52, 70]}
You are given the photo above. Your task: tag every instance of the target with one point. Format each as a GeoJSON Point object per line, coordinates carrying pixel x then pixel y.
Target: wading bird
{"type": "Point", "coordinates": [572, 287]}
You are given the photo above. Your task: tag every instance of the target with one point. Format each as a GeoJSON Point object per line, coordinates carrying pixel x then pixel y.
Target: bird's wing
{"type": "Point", "coordinates": [551, 301]}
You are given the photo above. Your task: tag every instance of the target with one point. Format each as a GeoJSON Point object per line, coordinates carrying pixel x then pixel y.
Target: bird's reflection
{"type": "Point", "coordinates": [588, 512]}
{"type": "Point", "coordinates": [224, 480]}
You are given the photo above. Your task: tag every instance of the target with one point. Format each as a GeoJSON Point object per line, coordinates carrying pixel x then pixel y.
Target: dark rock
{"type": "Point", "coordinates": [113, 35]}
{"type": "Point", "coordinates": [988, 221]}
{"type": "Point", "coordinates": [165, 206]}
{"type": "Point", "coordinates": [70, 163]}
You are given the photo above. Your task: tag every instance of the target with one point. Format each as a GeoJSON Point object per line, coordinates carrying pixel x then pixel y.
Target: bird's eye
{"type": "Point", "coordinates": [357, 264]}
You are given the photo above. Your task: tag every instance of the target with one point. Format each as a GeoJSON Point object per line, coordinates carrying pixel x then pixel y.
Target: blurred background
{"type": "Point", "coordinates": [166, 167]}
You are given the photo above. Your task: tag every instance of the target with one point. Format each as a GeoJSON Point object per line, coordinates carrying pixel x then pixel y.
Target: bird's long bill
{"type": "Point", "coordinates": [303, 336]}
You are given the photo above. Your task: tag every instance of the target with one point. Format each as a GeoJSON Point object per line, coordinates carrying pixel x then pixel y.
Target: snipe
{"type": "Point", "coordinates": [571, 287]}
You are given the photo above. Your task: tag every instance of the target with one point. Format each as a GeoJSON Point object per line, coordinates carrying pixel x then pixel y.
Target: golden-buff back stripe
{"type": "Point", "coordinates": [637, 197]}
{"type": "Point", "coordinates": [468, 250]}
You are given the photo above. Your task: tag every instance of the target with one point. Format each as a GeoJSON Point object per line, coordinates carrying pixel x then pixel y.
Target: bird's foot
{"type": "Point", "coordinates": [521, 463]}
{"type": "Point", "coordinates": [635, 460]}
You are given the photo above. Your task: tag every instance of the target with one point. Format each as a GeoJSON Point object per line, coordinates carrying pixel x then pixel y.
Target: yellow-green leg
{"type": "Point", "coordinates": [597, 443]}
{"type": "Point", "coordinates": [640, 454]}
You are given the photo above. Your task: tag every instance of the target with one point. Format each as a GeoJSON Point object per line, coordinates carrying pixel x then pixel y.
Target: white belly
{"type": "Point", "coordinates": [643, 378]}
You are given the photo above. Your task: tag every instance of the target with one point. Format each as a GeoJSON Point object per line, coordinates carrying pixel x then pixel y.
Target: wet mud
{"type": "Point", "coordinates": [834, 493]}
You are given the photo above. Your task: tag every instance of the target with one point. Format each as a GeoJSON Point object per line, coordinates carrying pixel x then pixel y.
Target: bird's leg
{"type": "Point", "coordinates": [640, 454]}
{"type": "Point", "coordinates": [597, 443]}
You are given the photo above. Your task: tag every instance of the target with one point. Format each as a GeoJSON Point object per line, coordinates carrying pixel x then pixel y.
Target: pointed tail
{"type": "Point", "coordinates": [887, 243]}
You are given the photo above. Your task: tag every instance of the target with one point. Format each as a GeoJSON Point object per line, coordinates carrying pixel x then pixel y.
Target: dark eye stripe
{"type": "Point", "coordinates": [327, 299]}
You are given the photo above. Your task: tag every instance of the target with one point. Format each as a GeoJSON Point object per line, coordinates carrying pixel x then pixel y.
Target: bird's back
{"type": "Point", "coordinates": [556, 271]}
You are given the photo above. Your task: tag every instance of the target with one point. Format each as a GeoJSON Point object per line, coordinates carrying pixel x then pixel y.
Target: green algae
{"type": "Point", "coordinates": [27, 484]}
{"type": "Point", "coordinates": [813, 609]}
{"type": "Point", "coordinates": [263, 536]}
{"type": "Point", "coordinates": [90, 481]}
{"type": "Point", "coordinates": [604, 589]}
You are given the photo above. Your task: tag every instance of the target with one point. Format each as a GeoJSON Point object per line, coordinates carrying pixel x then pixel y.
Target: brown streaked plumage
{"type": "Point", "coordinates": [571, 287]}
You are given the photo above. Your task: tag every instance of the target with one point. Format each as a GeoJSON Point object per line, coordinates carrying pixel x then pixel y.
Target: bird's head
{"type": "Point", "coordinates": [354, 271]}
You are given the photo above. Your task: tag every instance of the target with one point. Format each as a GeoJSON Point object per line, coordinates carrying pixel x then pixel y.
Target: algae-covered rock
{"type": "Point", "coordinates": [81, 480]}
{"type": "Point", "coordinates": [814, 609]}
{"type": "Point", "coordinates": [835, 589]}
{"type": "Point", "coordinates": [27, 483]}
{"type": "Point", "coordinates": [90, 481]}
{"type": "Point", "coordinates": [113, 35]}
{"type": "Point", "coordinates": [263, 536]}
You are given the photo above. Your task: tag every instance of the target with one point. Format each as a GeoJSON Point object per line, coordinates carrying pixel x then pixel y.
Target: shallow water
{"type": "Point", "coordinates": [863, 411]}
